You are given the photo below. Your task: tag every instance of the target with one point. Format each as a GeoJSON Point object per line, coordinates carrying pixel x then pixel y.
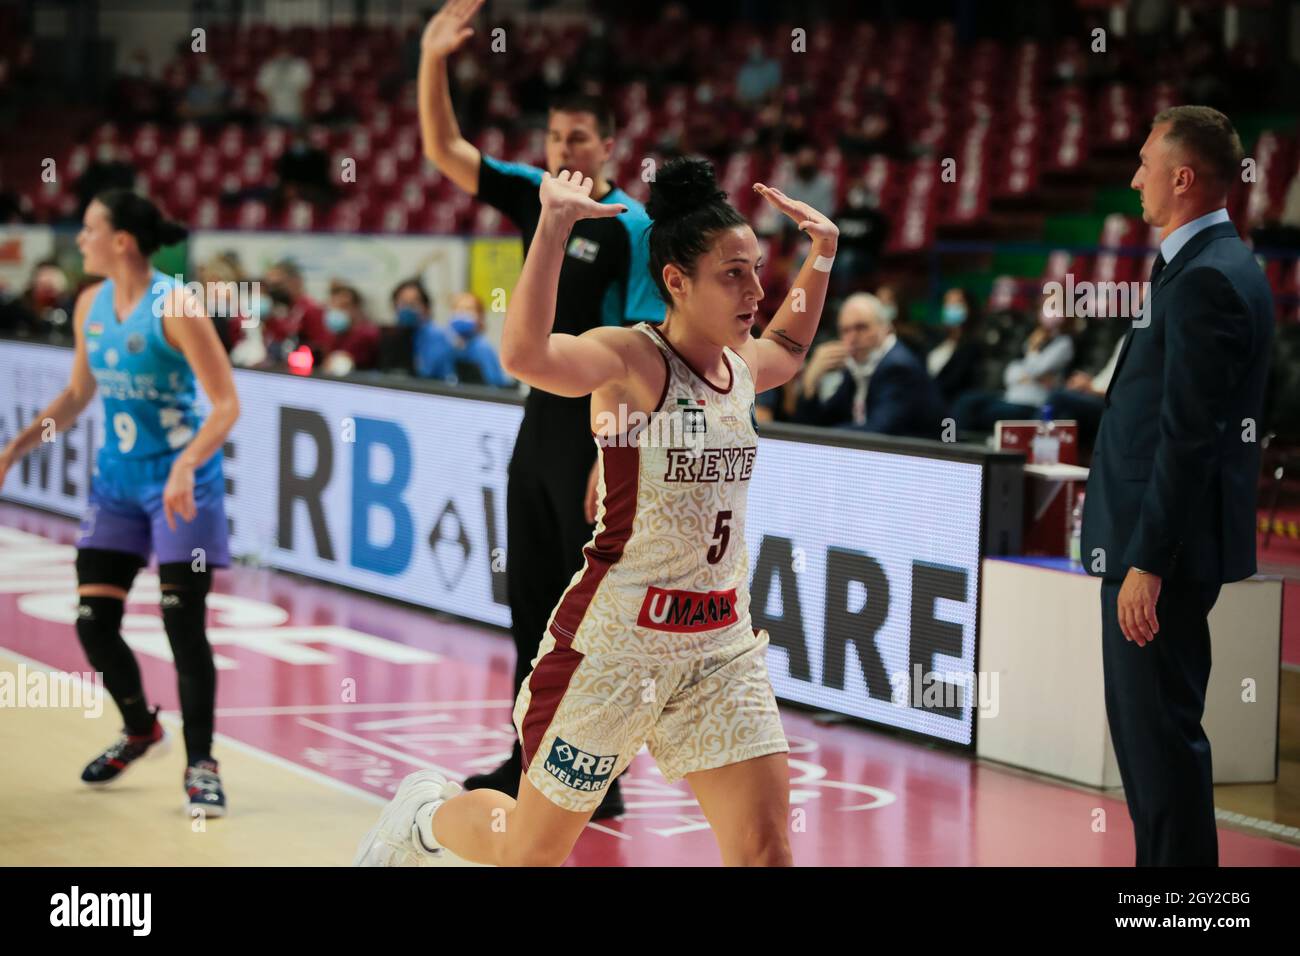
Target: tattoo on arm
{"type": "Point", "coordinates": [790, 344]}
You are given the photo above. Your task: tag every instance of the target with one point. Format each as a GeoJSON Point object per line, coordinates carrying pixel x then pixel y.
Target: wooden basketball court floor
{"type": "Point", "coordinates": [327, 698]}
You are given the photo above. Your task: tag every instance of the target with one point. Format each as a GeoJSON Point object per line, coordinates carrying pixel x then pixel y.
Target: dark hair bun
{"type": "Point", "coordinates": [170, 232]}
{"type": "Point", "coordinates": [682, 186]}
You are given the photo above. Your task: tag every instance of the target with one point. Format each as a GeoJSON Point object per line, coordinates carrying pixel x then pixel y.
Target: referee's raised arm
{"type": "Point", "coordinates": [456, 157]}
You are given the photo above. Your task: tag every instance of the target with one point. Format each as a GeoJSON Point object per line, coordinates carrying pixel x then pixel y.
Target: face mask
{"type": "Point", "coordinates": [464, 325]}
{"type": "Point", "coordinates": [408, 316]}
{"type": "Point", "coordinates": [336, 320]}
{"type": "Point", "coordinates": [954, 314]}
{"type": "Point", "coordinates": [888, 311]}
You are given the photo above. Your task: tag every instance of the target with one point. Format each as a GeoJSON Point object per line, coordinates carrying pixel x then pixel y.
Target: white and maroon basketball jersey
{"type": "Point", "coordinates": [666, 574]}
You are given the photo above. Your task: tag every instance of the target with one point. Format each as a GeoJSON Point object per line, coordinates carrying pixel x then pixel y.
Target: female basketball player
{"type": "Point", "coordinates": [142, 343]}
{"type": "Point", "coordinates": [652, 641]}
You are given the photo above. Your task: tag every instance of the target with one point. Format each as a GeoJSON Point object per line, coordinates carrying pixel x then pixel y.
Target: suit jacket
{"type": "Point", "coordinates": [901, 399]}
{"type": "Point", "coordinates": [1173, 483]}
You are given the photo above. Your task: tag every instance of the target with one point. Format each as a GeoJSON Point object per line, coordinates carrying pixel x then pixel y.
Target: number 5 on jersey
{"type": "Point", "coordinates": [721, 537]}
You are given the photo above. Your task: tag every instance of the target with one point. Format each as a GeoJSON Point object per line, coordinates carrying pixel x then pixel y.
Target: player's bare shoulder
{"type": "Point", "coordinates": [640, 389]}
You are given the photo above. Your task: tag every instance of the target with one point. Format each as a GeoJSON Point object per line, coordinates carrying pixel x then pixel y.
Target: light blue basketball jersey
{"type": "Point", "coordinates": [147, 387]}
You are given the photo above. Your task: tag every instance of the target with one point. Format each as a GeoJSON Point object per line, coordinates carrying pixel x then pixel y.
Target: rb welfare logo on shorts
{"type": "Point", "coordinates": [578, 769]}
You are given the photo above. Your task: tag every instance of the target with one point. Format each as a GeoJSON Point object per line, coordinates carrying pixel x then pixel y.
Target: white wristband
{"type": "Point", "coordinates": [822, 264]}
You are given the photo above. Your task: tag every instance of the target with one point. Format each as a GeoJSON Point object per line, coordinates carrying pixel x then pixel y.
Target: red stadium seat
{"type": "Point", "coordinates": [299, 217]}
{"type": "Point", "coordinates": [206, 214]}
{"type": "Point", "coordinates": [252, 214]}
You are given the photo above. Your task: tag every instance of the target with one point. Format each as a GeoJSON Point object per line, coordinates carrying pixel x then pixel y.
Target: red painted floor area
{"type": "Point", "coordinates": [364, 690]}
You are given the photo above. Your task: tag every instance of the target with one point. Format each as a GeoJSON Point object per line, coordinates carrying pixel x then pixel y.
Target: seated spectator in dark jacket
{"type": "Point", "coordinates": [354, 342]}
{"type": "Point", "coordinates": [867, 379]}
{"type": "Point", "coordinates": [953, 361]}
{"type": "Point", "coordinates": [1029, 380]}
{"type": "Point", "coordinates": [475, 356]}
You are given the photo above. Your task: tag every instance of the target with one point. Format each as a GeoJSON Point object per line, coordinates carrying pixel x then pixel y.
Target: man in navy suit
{"type": "Point", "coordinates": [1170, 510]}
{"type": "Point", "coordinates": [868, 380]}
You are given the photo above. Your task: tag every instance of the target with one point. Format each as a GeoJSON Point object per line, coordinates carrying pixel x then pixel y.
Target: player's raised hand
{"type": "Point", "coordinates": [449, 28]}
{"type": "Point", "coordinates": [823, 232]}
{"type": "Point", "coordinates": [568, 197]}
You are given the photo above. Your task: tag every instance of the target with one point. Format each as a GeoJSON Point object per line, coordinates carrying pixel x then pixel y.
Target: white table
{"type": "Point", "coordinates": [1040, 632]}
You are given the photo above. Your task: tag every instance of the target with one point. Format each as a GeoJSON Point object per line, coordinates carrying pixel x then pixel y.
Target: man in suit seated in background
{"type": "Point", "coordinates": [868, 380]}
{"type": "Point", "coordinates": [1170, 511]}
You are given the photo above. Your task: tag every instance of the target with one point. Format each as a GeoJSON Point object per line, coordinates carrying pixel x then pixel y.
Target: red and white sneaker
{"type": "Point", "coordinates": [125, 751]}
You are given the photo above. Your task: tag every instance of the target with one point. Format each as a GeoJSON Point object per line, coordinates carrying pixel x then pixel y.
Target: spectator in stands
{"type": "Point", "coordinates": [137, 94]}
{"type": "Point", "coordinates": [868, 380]}
{"type": "Point", "coordinates": [863, 231]}
{"type": "Point", "coordinates": [303, 172]}
{"type": "Point", "coordinates": [354, 342]}
{"type": "Point", "coordinates": [14, 207]}
{"type": "Point", "coordinates": [205, 100]}
{"type": "Point", "coordinates": [954, 360]}
{"type": "Point", "coordinates": [1084, 398]}
{"type": "Point", "coordinates": [304, 320]}
{"type": "Point", "coordinates": [283, 80]}
{"type": "Point", "coordinates": [877, 129]}
{"type": "Point", "coordinates": [1029, 380]}
{"type": "Point", "coordinates": [759, 75]}
{"type": "Point", "coordinates": [892, 309]}
{"type": "Point", "coordinates": [44, 309]}
{"type": "Point", "coordinates": [223, 270]}
{"type": "Point", "coordinates": [1281, 231]}
{"type": "Point", "coordinates": [810, 184]}
{"type": "Point", "coordinates": [433, 355]}
{"type": "Point", "coordinates": [475, 356]}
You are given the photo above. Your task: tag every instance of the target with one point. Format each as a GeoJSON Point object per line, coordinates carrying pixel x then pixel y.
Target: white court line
{"type": "Point", "coordinates": [1271, 827]}
{"type": "Point", "coordinates": [175, 721]}
{"type": "Point", "coordinates": [358, 708]}
{"type": "Point", "coordinates": [377, 748]}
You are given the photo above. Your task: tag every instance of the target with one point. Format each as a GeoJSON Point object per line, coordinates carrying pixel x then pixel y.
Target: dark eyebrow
{"type": "Point", "coordinates": [741, 259]}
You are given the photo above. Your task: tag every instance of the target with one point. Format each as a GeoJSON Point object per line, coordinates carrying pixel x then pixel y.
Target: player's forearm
{"type": "Point", "coordinates": [795, 324]}
{"type": "Point", "coordinates": [530, 315]}
{"type": "Point", "coordinates": [212, 434]}
{"type": "Point", "coordinates": [54, 418]}
{"type": "Point", "coordinates": [438, 126]}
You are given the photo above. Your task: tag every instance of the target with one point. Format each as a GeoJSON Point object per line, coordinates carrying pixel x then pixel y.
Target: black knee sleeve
{"type": "Point", "coordinates": [184, 614]}
{"type": "Point", "coordinates": [99, 628]}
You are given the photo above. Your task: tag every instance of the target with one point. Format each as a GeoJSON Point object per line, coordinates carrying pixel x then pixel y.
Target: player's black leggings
{"type": "Point", "coordinates": [183, 603]}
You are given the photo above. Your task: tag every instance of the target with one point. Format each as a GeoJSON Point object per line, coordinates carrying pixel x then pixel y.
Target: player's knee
{"type": "Point", "coordinates": [99, 623]}
{"type": "Point", "coordinates": [183, 604]}
{"type": "Point", "coordinates": [764, 845]}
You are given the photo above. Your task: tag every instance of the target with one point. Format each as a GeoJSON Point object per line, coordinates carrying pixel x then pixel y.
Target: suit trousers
{"type": "Point", "coordinates": [1155, 699]}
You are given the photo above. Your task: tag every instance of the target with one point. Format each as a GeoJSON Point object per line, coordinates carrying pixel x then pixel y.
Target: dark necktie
{"type": "Point", "coordinates": [1157, 267]}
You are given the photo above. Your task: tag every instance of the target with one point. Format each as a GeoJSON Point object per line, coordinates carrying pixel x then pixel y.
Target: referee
{"type": "Point", "coordinates": [605, 280]}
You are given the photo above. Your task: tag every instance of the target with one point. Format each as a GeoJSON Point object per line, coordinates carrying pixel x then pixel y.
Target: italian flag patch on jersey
{"type": "Point", "coordinates": [690, 402]}
{"type": "Point", "coordinates": [95, 328]}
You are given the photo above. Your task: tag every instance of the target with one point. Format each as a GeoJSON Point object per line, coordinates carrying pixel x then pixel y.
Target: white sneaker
{"type": "Point", "coordinates": [395, 839]}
